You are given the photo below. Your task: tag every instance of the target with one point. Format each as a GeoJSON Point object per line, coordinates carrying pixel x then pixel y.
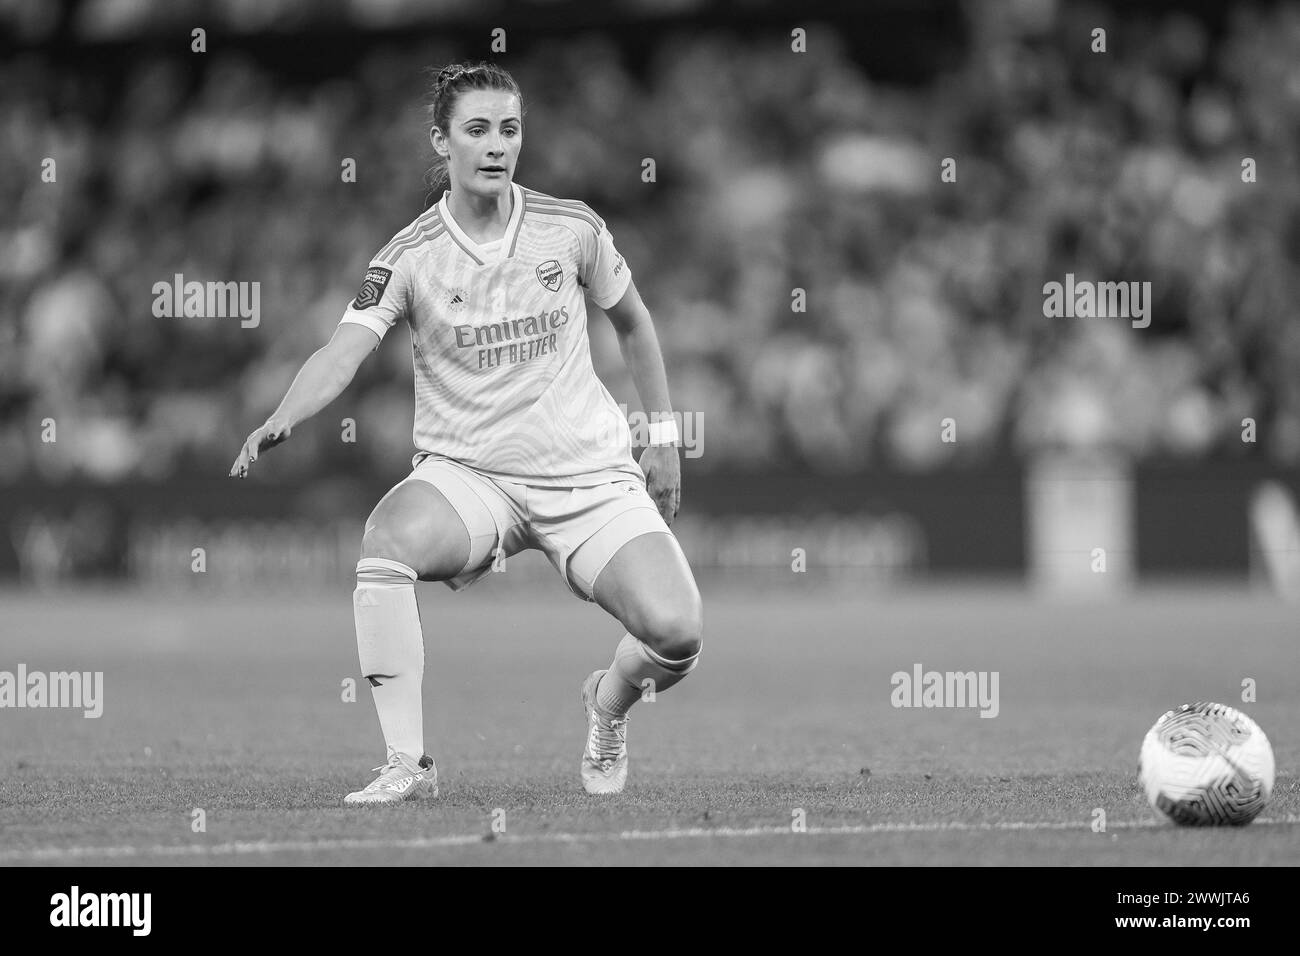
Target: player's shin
{"type": "Point", "coordinates": [390, 647]}
{"type": "Point", "coordinates": [638, 671]}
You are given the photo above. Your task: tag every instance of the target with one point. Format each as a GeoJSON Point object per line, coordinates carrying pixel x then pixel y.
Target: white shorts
{"type": "Point", "coordinates": [578, 529]}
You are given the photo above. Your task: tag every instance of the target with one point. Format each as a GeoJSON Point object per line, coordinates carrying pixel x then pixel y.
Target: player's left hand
{"type": "Point", "coordinates": [663, 479]}
{"type": "Point", "coordinates": [268, 436]}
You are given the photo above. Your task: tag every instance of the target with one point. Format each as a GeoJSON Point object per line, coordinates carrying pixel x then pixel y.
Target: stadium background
{"type": "Point", "coordinates": [775, 171]}
{"type": "Point", "coordinates": [235, 690]}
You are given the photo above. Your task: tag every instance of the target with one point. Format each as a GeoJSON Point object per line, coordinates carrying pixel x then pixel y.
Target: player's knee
{"type": "Point", "coordinates": [674, 633]}
{"type": "Point", "coordinates": [392, 544]}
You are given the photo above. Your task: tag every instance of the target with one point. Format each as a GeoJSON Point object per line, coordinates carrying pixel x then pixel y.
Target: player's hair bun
{"type": "Point", "coordinates": [456, 78]}
{"type": "Point", "coordinates": [450, 74]}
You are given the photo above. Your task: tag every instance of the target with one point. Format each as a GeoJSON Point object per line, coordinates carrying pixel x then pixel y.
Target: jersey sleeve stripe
{"type": "Point", "coordinates": [430, 232]}
{"type": "Point", "coordinates": [575, 204]}
{"type": "Point", "coordinates": [405, 235]}
{"type": "Point", "coordinates": [401, 237]}
{"type": "Point", "coordinates": [540, 200]}
{"type": "Point", "coordinates": [547, 197]}
{"type": "Point", "coordinates": [571, 214]}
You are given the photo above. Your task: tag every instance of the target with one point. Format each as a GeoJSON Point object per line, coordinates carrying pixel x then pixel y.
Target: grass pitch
{"type": "Point", "coordinates": [235, 707]}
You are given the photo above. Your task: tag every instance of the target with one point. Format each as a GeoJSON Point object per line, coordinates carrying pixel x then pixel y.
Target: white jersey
{"type": "Point", "coordinates": [503, 375]}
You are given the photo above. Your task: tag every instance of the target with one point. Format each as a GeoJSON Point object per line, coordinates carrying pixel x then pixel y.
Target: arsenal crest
{"type": "Point", "coordinates": [550, 275]}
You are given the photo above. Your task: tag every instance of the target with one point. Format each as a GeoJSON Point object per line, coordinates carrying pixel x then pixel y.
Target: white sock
{"type": "Point", "coordinates": [635, 664]}
{"type": "Point", "coordinates": [390, 647]}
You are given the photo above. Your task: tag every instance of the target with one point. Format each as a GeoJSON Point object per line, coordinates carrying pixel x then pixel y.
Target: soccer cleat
{"type": "Point", "coordinates": [604, 761]}
{"type": "Point", "coordinates": [396, 783]}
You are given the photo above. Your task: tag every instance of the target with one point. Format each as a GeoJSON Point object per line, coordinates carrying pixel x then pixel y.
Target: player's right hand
{"type": "Point", "coordinates": [268, 436]}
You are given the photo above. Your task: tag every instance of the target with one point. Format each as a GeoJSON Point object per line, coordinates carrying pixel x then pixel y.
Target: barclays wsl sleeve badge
{"type": "Point", "coordinates": [372, 288]}
{"type": "Point", "coordinates": [550, 275]}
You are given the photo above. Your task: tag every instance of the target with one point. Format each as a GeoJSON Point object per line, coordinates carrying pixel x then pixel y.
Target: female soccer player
{"type": "Point", "coordinates": [519, 444]}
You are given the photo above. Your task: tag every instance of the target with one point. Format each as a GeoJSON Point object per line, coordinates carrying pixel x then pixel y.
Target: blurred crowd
{"type": "Point", "coordinates": [775, 171]}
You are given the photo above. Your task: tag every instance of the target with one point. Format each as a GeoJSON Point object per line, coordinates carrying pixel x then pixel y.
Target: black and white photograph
{"type": "Point", "coordinates": [650, 433]}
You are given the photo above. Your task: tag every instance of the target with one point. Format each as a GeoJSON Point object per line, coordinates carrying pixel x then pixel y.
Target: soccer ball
{"type": "Point", "coordinates": [1206, 765]}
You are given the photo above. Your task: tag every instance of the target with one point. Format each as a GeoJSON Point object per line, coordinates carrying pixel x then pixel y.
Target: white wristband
{"type": "Point", "coordinates": [663, 433]}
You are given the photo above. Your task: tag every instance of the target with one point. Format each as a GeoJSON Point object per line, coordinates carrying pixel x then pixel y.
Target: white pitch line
{"type": "Point", "coordinates": [253, 847]}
